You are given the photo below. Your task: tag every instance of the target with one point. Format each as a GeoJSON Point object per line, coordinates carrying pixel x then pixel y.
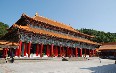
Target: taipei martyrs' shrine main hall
{"type": "Point", "coordinates": [41, 37]}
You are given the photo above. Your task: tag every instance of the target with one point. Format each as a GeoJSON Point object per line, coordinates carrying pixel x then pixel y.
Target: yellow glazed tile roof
{"type": "Point", "coordinates": [108, 46]}
{"type": "Point", "coordinates": [3, 42]}
{"type": "Point", "coordinates": [56, 24]}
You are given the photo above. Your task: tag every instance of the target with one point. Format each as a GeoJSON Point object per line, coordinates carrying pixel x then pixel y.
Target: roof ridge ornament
{"type": "Point", "coordinates": [36, 14]}
{"type": "Point", "coordinates": [23, 14]}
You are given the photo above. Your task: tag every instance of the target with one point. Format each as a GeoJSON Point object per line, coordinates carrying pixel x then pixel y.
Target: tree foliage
{"type": "Point", "coordinates": [100, 36]}
{"type": "Point", "coordinates": [3, 29]}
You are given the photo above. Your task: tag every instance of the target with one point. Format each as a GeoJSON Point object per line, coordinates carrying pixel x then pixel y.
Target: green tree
{"type": "Point", "coordinates": [100, 36]}
{"type": "Point", "coordinates": [3, 29]}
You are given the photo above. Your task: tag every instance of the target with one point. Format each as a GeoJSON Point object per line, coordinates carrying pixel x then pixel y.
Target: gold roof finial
{"type": "Point", "coordinates": [23, 14]}
{"type": "Point", "coordinates": [36, 14]}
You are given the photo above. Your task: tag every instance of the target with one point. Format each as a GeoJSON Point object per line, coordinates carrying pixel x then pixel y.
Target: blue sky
{"type": "Point", "coordinates": [91, 14]}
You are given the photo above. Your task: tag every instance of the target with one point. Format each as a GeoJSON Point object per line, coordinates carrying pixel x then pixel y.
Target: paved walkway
{"type": "Point", "coordinates": [53, 66]}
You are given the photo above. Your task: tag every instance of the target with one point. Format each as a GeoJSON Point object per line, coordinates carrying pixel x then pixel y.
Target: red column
{"type": "Point", "coordinates": [76, 52]}
{"type": "Point", "coordinates": [80, 52]}
{"type": "Point", "coordinates": [47, 50]}
{"type": "Point", "coordinates": [37, 49]}
{"type": "Point", "coordinates": [93, 52]}
{"type": "Point", "coordinates": [60, 50]}
{"type": "Point", "coordinates": [25, 49]}
{"type": "Point", "coordinates": [67, 52]}
{"type": "Point", "coordinates": [41, 51]}
{"type": "Point", "coordinates": [85, 52]}
{"type": "Point", "coordinates": [6, 51]}
{"type": "Point", "coordinates": [16, 51]}
{"type": "Point", "coordinates": [56, 51]}
{"type": "Point", "coordinates": [3, 52]}
{"type": "Point", "coordinates": [20, 45]}
{"type": "Point", "coordinates": [89, 52]}
{"type": "Point", "coordinates": [29, 47]}
{"type": "Point", "coordinates": [71, 51]}
{"type": "Point", "coordinates": [52, 46]}
{"type": "Point", "coordinates": [63, 51]}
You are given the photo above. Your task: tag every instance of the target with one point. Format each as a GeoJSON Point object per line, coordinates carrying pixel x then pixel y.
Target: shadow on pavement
{"type": "Point", "coordinates": [110, 68]}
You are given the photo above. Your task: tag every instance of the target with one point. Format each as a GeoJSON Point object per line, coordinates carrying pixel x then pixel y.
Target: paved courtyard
{"type": "Point", "coordinates": [53, 66]}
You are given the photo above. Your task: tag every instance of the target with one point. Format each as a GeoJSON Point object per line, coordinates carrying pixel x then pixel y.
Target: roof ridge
{"type": "Point", "coordinates": [55, 21]}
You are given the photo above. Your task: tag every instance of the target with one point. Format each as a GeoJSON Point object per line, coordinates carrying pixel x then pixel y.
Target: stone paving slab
{"type": "Point", "coordinates": [51, 66]}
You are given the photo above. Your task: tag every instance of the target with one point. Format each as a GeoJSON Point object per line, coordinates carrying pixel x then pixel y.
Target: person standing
{"type": "Point", "coordinates": [6, 58]}
{"type": "Point", "coordinates": [100, 60]}
{"type": "Point", "coordinates": [12, 56]}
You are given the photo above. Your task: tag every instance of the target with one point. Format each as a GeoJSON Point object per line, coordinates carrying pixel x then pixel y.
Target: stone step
{"type": "Point", "coordinates": [2, 60]}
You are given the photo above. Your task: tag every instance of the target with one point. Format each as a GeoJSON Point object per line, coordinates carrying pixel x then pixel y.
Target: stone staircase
{"type": "Point", "coordinates": [76, 59]}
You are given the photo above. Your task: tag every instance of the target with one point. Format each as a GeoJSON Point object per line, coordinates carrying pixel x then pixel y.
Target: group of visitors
{"type": "Point", "coordinates": [11, 55]}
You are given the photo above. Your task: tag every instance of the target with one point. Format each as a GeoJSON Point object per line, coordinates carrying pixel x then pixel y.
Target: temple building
{"type": "Point", "coordinates": [45, 37]}
{"type": "Point", "coordinates": [107, 50]}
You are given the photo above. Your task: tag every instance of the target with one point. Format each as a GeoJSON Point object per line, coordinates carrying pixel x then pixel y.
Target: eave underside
{"type": "Point", "coordinates": [8, 44]}
{"type": "Point", "coordinates": [51, 34]}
